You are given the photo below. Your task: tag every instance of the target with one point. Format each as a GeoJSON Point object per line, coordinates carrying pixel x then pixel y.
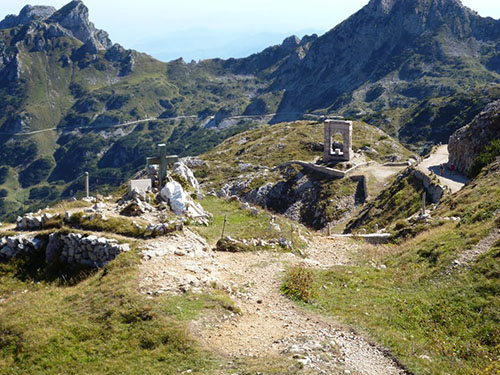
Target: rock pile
{"type": "Point", "coordinates": [182, 204]}
{"type": "Point", "coordinates": [34, 222]}
{"type": "Point", "coordinates": [135, 203]}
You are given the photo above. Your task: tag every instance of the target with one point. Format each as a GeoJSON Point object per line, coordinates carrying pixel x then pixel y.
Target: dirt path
{"type": "Point", "coordinates": [469, 256]}
{"type": "Point", "coordinates": [453, 181]}
{"type": "Point", "coordinates": [269, 324]}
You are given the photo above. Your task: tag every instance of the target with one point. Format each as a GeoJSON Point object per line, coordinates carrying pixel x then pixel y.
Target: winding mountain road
{"type": "Point", "coordinates": [431, 165]}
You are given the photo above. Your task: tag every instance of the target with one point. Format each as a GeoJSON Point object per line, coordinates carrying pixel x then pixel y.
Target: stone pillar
{"type": "Point", "coordinates": [163, 164]}
{"type": "Point", "coordinates": [87, 187]}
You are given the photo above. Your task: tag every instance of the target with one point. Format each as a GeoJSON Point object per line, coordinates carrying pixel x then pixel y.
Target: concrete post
{"type": "Point", "coordinates": [87, 187]}
{"type": "Point", "coordinates": [163, 164]}
{"type": "Point", "coordinates": [423, 203]}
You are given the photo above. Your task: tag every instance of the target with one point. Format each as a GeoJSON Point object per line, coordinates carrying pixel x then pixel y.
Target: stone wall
{"type": "Point", "coordinates": [16, 246]}
{"type": "Point", "coordinates": [468, 142]}
{"type": "Point", "coordinates": [433, 188]}
{"type": "Point", "coordinates": [70, 248]}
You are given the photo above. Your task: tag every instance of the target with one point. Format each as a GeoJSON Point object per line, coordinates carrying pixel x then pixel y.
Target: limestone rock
{"type": "Point", "coordinates": [183, 170]}
{"type": "Point", "coordinates": [468, 142]}
{"type": "Point", "coordinates": [28, 13]}
{"type": "Point", "coordinates": [75, 18]}
{"type": "Point", "coordinates": [181, 203]}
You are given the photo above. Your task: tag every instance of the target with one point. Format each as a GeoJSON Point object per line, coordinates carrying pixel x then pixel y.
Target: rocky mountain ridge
{"type": "Point", "coordinates": [61, 76]}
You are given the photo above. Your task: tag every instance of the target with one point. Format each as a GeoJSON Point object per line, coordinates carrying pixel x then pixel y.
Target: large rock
{"type": "Point", "coordinates": [181, 203]}
{"type": "Point", "coordinates": [183, 170]}
{"type": "Point", "coordinates": [75, 18]}
{"type": "Point", "coordinates": [468, 142]}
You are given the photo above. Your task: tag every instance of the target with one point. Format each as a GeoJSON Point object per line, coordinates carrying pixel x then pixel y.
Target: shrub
{"type": "Point", "coordinates": [490, 153]}
{"type": "Point", "coordinates": [299, 284]}
{"type": "Point", "coordinates": [4, 171]}
{"type": "Point", "coordinates": [232, 246]}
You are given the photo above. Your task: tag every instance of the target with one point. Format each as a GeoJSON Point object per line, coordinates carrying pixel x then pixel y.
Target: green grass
{"type": "Point", "coordinates": [100, 326]}
{"type": "Point", "coordinates": [436, 321]}
{"type": "Point", "coordinates": [243, 225]}
{"type": "Point", "coordinates": [398, 201]}
{"type": "Point", "coordinates": [277, 144]}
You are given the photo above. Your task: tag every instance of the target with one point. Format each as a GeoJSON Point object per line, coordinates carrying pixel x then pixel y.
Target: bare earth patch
{"type": "Point", "coordinates": [270, 325]}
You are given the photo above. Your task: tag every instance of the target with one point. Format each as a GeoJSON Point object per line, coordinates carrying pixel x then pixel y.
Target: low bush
{"type": "Point", "coordinates": [299, 284]}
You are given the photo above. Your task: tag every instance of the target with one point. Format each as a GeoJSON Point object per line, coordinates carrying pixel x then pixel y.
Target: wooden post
{"type": "Point", "coordinates": [423, 203]}
{"type": "Point", "coordinates": [87, 187]}
{"type": "Point", "coordinates": [224, 226]}
{"type": "Point", "coordinates": [291, 235]}
{"type": "Point", "coordinates": [329, 229]}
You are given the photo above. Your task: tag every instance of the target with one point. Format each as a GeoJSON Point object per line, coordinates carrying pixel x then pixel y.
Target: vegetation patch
{"type": "Point", "coordinates": [299, 284]}
{"type": "Point", "coordinates": [95, 327]}
{"type": "Point", "coordinates": [488, 156]}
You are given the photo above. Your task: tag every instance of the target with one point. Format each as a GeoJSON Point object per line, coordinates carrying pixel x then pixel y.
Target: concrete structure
{"type": "Point", "coordinates": [141, 185]}
{"type": "Point", "coordinates": [163, 161]}
{"type": "Point", "coordinates": [335, 151]}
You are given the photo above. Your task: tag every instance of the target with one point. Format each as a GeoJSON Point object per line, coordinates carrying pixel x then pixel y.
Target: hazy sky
{"type": "Point", "coordinates": [198, 29]}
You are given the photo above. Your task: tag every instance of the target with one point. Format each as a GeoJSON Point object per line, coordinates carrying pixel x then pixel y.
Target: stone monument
{"type": "Point", "coordinates": [163, 161]}
{"type": "Point", "coordinates": [338, 151]}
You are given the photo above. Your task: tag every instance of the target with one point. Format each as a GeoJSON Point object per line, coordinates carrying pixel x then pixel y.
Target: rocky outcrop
{"type": "Point", "coordinates": [75, 18]}
{"type": "Point", "coordinates": [28, 13]}
{"type": "Point", "coordinates": [187, 174]}
{"type": "Point", "coordinates": [182, 204]}
{"type": "Point", "coordinates": [468, 142]}
{"type": "Point", "coordinates": [72, 19]}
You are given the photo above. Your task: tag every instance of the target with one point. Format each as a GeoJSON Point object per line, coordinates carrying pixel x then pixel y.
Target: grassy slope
{"type": "Point", "coordinates": [98, 324]}
{"type": "Point", "coordinates": [278, 144]}
{"type": "Point", "coordinates": [436, 322]}
{"type": "Point", "coordinates": [400, 200]}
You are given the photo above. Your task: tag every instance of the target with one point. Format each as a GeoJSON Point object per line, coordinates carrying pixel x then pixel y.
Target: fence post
{"type": "Point", "coordinates": [224, 226]}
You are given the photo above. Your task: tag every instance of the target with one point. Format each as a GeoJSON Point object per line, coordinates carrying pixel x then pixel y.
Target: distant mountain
{"type": "Point", "coordinates": [402, 65]}
{"type": "Point", "coordinates": [392, 53]}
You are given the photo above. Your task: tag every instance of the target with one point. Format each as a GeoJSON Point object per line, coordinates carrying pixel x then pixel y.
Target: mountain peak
{"type": "Point", "coordinates": [386, 6]}
{"type": "Point", "coordinates": [28, 13]}
{"type": "Point", "coordinates": [75, 17]}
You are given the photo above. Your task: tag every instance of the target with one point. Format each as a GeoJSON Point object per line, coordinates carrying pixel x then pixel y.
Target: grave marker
{"type": "Point", "coordinates": [163, 161]}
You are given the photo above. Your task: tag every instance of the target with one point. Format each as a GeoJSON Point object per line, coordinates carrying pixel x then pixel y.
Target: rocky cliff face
{"type": "Point", "coordinates": [468, 142]}
{"type": "Point", "coordinates": [407, 49]}
{"type": "Point", "coordinates": [72, 18]}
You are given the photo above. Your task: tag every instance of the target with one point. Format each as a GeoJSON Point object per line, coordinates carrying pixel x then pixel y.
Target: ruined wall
{"type": "Point", "coordinates": [70, 248]}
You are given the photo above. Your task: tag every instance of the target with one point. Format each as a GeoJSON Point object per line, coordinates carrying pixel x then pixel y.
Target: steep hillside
{"type": "Point", "coordinates": [434, 299]}
{"type": "Point", "coordinates": [391, 54]}
{"type": "Point", "coordinates": [68, 94]}
{"type": "Point", "coordinates": [476, 145]}
{"type": "Point", "coordinates": [255, 166]}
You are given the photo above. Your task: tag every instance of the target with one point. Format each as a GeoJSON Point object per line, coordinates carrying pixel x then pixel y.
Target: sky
{"type": "Point", "coordinates": [201, 29]}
